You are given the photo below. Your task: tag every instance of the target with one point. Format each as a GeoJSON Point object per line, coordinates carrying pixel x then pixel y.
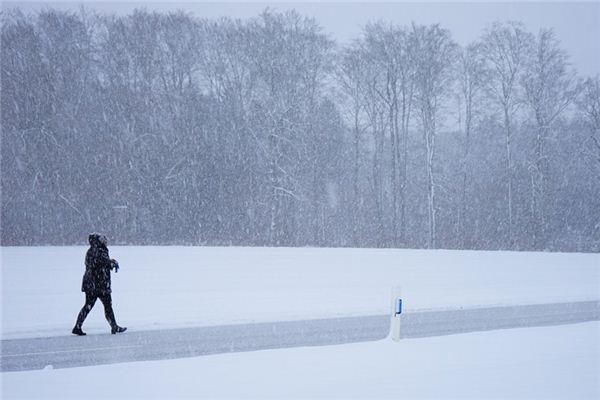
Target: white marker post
{"type": "Point", "coordinates": [396, 313]}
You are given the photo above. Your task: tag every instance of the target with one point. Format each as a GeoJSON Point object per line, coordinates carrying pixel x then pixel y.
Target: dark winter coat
{"type": "Point", "coordinates": [96, 279]}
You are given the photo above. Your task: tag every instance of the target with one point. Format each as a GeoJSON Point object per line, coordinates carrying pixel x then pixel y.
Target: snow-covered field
{"type": "Point", "coordinates": [533, 363]}
{"type": "Point", "coordinates": [167, 287]}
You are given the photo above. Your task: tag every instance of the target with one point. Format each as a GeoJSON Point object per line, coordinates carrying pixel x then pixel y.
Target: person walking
{"type": "Point", "coordinates": [96, 283]}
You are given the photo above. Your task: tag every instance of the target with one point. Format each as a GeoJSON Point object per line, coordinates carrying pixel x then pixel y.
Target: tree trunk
{"type": "Point", "coordinates": [540, 186]}
{"type": "Point", "coordinates": [378, 180]}
{"type": "Point", "coordinates": [465, 171]}
{"type": "Point", "coordinates": [430, 147]}
{"type": "Point", "coordinates": [406, 108]}
{"type": "Point", "coordinates": [393, 116]}
{"type": "Point", "coordinates": [356, 206]}
{"type": "Point", "coordinates": [510, 240]}
{"type": "Point", "coordinates": [274, 226]}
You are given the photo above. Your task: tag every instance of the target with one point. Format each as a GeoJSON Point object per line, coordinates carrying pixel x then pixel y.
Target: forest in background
{"type": "Point", "coordinates": [165, 128]}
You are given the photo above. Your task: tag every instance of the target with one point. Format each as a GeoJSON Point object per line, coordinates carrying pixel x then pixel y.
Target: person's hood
{"type": "Point", "coordinates": [97, 240]}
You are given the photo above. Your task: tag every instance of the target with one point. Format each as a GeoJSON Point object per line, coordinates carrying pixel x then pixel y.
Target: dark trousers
{"type": "Point", "coordinates": [90, 300]}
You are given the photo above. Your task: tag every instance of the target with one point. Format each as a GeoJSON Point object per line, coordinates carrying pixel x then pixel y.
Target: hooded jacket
{"type": "Point", "coordinates": [96, 279]}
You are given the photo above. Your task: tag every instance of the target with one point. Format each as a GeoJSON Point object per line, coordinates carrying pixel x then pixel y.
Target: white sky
{"type": "Point", "coordinates": [577, 24]}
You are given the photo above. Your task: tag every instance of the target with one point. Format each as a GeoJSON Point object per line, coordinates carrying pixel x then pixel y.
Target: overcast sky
{"type": "Point", "coordinates": [577, 24]}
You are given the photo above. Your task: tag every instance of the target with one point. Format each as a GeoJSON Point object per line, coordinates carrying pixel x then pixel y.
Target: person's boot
{"type": "Point", "coordinates": [118, 329]}
{"type": "Point", "coordinates": [77, 331]}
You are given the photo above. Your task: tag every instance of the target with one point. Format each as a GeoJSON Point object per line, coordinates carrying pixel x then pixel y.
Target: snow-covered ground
{"type": "Point", "coordinates": [532, 363]}
{"type": "Point", "coordinates": [167, 287]}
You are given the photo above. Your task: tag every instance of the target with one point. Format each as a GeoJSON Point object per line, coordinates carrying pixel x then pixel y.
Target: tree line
{"type": "Point", "coordinates": [164, 128]}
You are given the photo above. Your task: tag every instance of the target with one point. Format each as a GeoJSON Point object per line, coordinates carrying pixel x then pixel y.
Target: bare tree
{"type": "Point", "coordinates": [376, 122]}
{"type": "Point", "coordinates": [407, 72]}
{"type": "Point", "coordinates": [180, 41]}
{"type": "Point", "coordinates": [471, 78]}
{"type": "Point", "coordinates": [550, 87]}
{"type": "Point", "coordinates": [505, 46]}
{"type": "Point", "coordinates": [351, 77]}
{"type": "Point", "coordinates": [364, 78]}
{"type": "Point", "coordinates": [435, 56]}
{"type": "Point", "coordinates": [388, 49]}
{"type": "Point", "coordinates": [290, 63]}
{"type": "Point", "coordinates": [589, 105]}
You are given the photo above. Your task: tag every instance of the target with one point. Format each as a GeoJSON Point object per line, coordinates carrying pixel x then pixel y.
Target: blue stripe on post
{"type": "Point", "coordinates": [399, 307]}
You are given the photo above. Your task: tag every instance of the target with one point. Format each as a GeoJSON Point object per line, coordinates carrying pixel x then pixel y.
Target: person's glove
{"type": "Point", "coordinates": [114, 264]}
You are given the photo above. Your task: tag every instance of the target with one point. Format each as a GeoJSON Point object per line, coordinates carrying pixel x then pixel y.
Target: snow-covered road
{"type": "Point", "coordinates": [65, 351]}
{"type": "Point", "coordinates": [558, 362]}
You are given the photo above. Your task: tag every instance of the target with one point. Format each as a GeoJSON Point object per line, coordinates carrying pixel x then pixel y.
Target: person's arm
{"type": "Point", "coordinates": [103, 260]}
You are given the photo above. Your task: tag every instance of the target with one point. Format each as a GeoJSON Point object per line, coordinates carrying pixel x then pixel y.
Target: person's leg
{"type": "Point", "coordinates": [90, 300]}
{"type": "Point", "coordinates": [110, 315]}
{"type": "Point", "coordinates": [106, 300]}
